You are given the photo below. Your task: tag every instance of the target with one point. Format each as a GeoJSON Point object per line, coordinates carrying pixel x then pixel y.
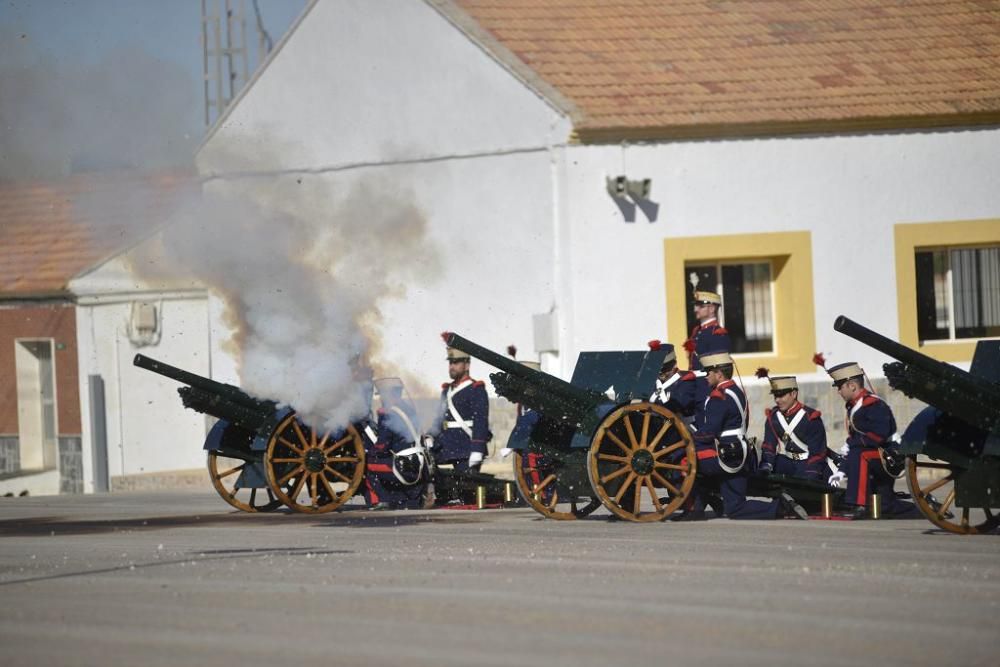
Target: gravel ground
{"type": "Point", "coordinates": [168, 578]}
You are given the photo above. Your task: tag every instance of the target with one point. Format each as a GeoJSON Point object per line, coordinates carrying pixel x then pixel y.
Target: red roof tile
{"type": "Point", "coordinates": [660, 68]}
{"type": "Point", "coordinates": [50, 232]}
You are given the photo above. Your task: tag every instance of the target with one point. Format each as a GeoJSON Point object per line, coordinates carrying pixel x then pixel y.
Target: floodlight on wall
{"type": "Point", "coordinates": [617, 186]}
{"type": "Point", "coordinates": [639, 188]}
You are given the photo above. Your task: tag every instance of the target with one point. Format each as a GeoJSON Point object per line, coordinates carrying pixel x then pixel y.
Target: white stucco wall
{"type": "Point", "coordinates": [848, 191]}
{"type": "Point", "coordinates": [361, 82]}
{"type": "Point", "coordinates": [488, 219]}
{"type": "Point", "coordinates": [393, 95]}
{"type": "Point", "coordinates": [148, 430]}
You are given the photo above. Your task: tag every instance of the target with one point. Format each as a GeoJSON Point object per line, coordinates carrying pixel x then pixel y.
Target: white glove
{"type": "Point", "coordinates": [505, 452]}
{"type": "Point", "coordinates": [845, 449]}
{"type": "Point", "coordinates": [428, 441]}
{"type": "Point", "coordinates": [475, 458]}
{"type": "Point", "coordinates": [836, 478]}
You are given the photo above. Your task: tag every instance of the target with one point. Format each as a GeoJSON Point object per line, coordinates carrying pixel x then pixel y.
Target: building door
{"type": "Point", "coordinates": [36, 404]}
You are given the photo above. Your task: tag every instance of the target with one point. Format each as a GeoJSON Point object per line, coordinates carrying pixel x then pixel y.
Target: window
{"type": "Point", "coordinates": [958, 293]}
{"type": "Point", "coordinates": [766, 285]}
{"type": "Point", "coordinates": [746, 301]}
{"type": "Point", "coordinates": [948, 286]}
{"type": "Point", "coordinates": [36, 404]}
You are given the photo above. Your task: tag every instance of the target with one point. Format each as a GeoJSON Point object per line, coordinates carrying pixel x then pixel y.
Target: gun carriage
{"type": "Point", "coordinates": [952, 447]}
{"type": "Point", "coordinates": [596, 440]}
{"type": "Point", "coordinates": [262, 456]}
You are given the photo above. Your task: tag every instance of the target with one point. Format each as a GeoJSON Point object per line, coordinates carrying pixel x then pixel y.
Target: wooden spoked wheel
{"type": "Point", "coordinates": [932, 485]}
{"type": "Point", "coordinates": [642, 462]}
{"type": "Point", "coordinates": [312, 472]}
{"type": "Point", "coordinates": [226, 472]}
{"type": "Point", "coordinates": [540, 487]}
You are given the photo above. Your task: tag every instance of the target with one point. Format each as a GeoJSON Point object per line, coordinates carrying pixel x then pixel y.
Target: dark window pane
{"type": "Point", "coordinates": [744, 316]}
{"type": "Point", "coordinates": [976, 292]}
{"type": "Point", "coordinates": [928, 324]}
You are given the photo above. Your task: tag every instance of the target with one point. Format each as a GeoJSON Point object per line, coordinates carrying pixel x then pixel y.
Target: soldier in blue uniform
{"type": "Point", "coordinates": [463, 428]}
{"type": "Point", "coordinates": [707, 337]}
{"type": "Point", "coordinates": [871, 428]}
{"type": "Point", "coordinates": [678, 391]}
{"type": "Point", "coordinates": [725, 458]}
{"type": "Point", "coordinates": [396, 474]}
{"type": "Point", "coordinates": [794, 435]}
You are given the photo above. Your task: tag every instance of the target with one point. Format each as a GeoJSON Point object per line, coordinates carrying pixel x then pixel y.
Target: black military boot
{"type": "Point", "coordinates": [715, 502]}
{"type": "Point", "coordinates": [792, 509]}
{"type": "Point", "coordinates": [856, 513]}
{"type": "Point", "coordinates": [690, 515]}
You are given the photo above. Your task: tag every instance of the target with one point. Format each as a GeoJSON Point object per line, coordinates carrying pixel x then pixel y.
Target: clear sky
{"type": "Point", "coordinates": [91, 84]}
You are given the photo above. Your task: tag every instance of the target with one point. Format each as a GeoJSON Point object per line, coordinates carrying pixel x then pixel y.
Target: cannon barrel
{"type": "Point", "coordinates": [937, 383]}
{"type": "Point", "coordinates": [539, 391]}
{"type": "Point", "coordinates": [220, 400]}
{"type": "Point", "coordinates": [863, 334]}
{"type": "Point", "coordinates": [227, 391]}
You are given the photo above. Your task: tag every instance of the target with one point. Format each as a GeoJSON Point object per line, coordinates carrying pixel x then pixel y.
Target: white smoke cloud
{"type": "Point", "coordinates": [129, 110]}
{"type": "Point", "coordinates": [303, 271]}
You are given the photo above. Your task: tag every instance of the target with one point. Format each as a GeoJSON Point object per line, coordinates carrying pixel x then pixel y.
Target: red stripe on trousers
{"type": "Point", "coordinates": [536, 477]}
{"type": "Point", "coordinates": [866, 456]}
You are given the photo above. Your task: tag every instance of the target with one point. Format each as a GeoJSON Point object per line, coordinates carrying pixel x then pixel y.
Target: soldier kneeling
{"type": "Point", "coordinates": [794, 435]}
{"type": "Point", "coordinates": [396, 469]}
{"type": "Point", "coordinates": [725, 458]}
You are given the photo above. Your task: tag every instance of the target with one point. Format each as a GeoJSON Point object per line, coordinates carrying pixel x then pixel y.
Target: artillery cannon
{"type": "Point", "coordinates": [953, 445]}
{"type": "Point", "coordinates": [262, 456]}
{"type": "Point", "coordinates": [257, 446]}
{"type": "Point", "coordinates": [596, 440]}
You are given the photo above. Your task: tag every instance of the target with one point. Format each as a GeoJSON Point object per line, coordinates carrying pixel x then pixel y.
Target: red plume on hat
{"type": "Point", "coordinates": [819, 360]}
{"type": "Point", "coordinates": [512, 351]}
{"type": "Point", "coordinates": [654, 344]}
{"type": "Point", "coordinates": [762, 372]}
{"type": "Point", "coordinates": [445, 335]}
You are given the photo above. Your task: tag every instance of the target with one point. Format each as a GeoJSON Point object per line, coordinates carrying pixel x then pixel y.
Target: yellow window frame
{"type": "Point", "coordinates": [912, 236]}
{"type": "Point", "coordinates": [790, 254]}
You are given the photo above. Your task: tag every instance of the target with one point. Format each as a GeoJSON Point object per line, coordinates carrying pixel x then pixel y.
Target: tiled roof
{"type": "Point", "coordinates": [50, 232]}
{"type": "Point", "coordinates": [662, 68]}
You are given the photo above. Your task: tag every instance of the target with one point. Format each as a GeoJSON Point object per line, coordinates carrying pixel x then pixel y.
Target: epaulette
{"type": "Point", "coordinates": [870, 400]}
{"type": "Point", "coordinates": [813, 414]}
{"type": "Point", "coordinates": [717, 394]}
{"type": "Point", "coordinates": [445, 385]}
{"type": "Point", "coordinates": [719, 331]}
{"type": "Point", "coordinates": [478, 383]}
{"type": "Point", "coordinates": [690, 375]}
{"type": "Point", "coordinates": [767, 412]}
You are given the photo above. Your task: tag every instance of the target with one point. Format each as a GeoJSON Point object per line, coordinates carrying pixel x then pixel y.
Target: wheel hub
{"type": "Point", "coordinates": [315, 460]}
{"type": "Point", "coordinates": [642, 462]}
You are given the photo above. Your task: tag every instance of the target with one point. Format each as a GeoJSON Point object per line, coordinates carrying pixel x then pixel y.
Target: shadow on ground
{"type": "Point", "coordinates": [47, 526]}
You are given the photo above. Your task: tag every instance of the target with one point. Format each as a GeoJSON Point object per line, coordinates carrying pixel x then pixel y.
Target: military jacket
{"type": "Point", "coordinates": [464, 424]}
{"type": "Point", "coordinates": [396, 431]}
{"type": "Point", "coordinates": [723, 416]}
{"type": "Point", "coordinates": [870, 422]}
{"type": "Point", "coordinates": [706, 338]}
{"type": "Point", "coordinates": [680, 392]}
{"type": "Point", "coordinates": [798, 434]}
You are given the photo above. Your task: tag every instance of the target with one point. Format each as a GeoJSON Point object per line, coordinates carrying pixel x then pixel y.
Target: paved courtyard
{"type": "Point", "coordinates": [170, 578]}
